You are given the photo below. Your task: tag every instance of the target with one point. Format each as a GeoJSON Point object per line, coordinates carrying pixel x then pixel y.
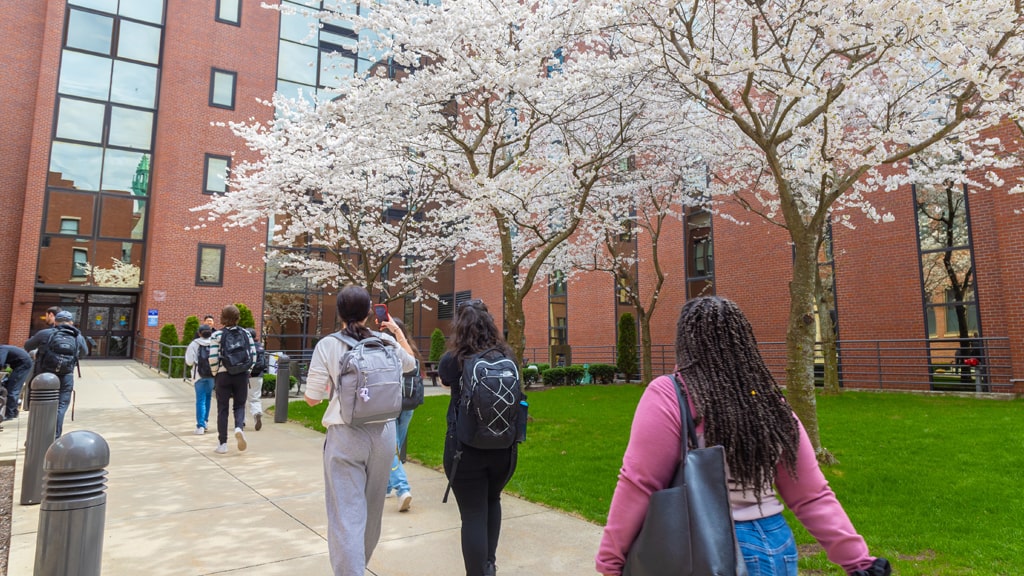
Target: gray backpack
{"type": "Point", "coordinates": [370, 386]}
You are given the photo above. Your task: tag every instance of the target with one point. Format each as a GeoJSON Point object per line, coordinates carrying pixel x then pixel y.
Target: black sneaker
{"type": "Point", "coordinates": [490, 569]}
{"type": "Point", "coordinates": [259, 422]}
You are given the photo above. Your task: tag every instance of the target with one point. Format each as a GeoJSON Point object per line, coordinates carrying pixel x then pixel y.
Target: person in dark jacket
{"type": "Point", "coordinates": [21, 366]}
{"type": "Point", "coordinates": [38, 342]}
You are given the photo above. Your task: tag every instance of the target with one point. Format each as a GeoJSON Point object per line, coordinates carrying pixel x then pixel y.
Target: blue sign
{"type": "Point", "coordinates": [153, 318]}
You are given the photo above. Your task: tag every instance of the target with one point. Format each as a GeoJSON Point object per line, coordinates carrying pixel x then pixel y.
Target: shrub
{"type": "Point", "coordinates": [626, 346]}
{"type": "Point", "coordinates": [531, 375]}
{"type": "Point", "coordinates": [168, 342]}
{"type": "Point", "coordinates": [554, 376]}
{"type": "Point", "coordinates": [245, 318]}
{"type": "Point", "coordinates": [602, 373]}
{"type": "Point", "coordinates": [188, 334]}
{"type": "Point", "coordinates": [574, 374]}
{"type": "Point", "coordinates": [270, 384]}
{"type": "Point", "coordinates": [437, 344]}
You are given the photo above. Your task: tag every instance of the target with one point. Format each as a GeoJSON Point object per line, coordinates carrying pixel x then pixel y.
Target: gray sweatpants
{"type": "Point", "coordinates": [357, 462]}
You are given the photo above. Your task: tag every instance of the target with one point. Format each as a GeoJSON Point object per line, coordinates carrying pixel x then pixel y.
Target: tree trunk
{"type": "Point", "coordinates": [515, 318]}
{"type": "Point", "coordinates": [800, 337]}
{"type": "Point", "coordinates": [645, 346]}
{"type": "Point", "coordinates": [829, 351]}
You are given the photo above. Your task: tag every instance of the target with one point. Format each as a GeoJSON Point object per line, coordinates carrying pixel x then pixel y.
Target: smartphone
{"type": "Point", "coordinates": [381, 310]}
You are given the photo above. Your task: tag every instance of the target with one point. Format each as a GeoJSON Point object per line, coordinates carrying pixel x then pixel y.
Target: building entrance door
{"type": "Point", "coordinates": [107, 321]}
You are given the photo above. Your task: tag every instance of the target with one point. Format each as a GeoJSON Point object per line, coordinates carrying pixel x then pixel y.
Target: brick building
{"type": "Point", "coordinates": [110, 141]}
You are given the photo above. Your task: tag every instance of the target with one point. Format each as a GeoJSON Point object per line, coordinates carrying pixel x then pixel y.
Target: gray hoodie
{"type": "Point", "coordinates": [192, 354]}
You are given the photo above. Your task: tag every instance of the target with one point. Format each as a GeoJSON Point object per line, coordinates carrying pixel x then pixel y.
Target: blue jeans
{"type": "Point", "coordinates": [768, 546]}
{"type": "Point", "coordinates": [204, 392]}
{"type": "Point", "coordinates": [15, 382]}
{"type": "Point", "coordinates": [67, 385]}
{"type": "Point", "coordinates": [397, 480]}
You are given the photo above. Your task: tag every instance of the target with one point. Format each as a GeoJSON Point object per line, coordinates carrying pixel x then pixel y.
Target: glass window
{"type": "Point", "coordinates": [91, 32]}
{"type": "Point", "coordinates": [336, 69]}
{"type": "Point", "coordinates": [299, 28]}
{"type": "Point", "coordinates": [108, 6]}
{"type": "Point", "coordinates": [216, 174]}
{"type": "Point", "coordinates": [970, 313]}
{"type": "Point", "coordinates": [69, 225]}
{"type": "Point", "coordinates": [222, 89]}
{"type": "Point", "coordinates": [295, 91]}
{"type": "Point", "coordinates": [130, 128]}
{"type": "Point", "coordinates": [941, 217]}
{"type": "Point", "coordinates": [84, 75]}
{"type": "Point", "coordinates": [79, 120]}
{"type": "Point", "coordinates": [120, 168]}
{"type": "Point", "coordinates": [229, 11]}
{"type": "Point", "coordinates": [134, 84]}
{"type": "Point", "coordinates": [297, 63]}
{"type": "Point", "coordinates": [79, 258]}
{"type": "Point", "coordinates": [210, 265]}
{"type": "Point", "coordinates": [122, 216]}
{"type": "Point", "coordinates": [138, 42]}
{"type": "Point", "coordinates": [700, 265]}
{"type": "Point", "coordinates": [145, 10]}
{"type": "Point", "coordinates": [65, 208]}
{"type": "Point", "coordinates": [75, 166]}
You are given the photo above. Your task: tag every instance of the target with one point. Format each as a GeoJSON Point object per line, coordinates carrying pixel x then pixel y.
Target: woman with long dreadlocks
{"type": "Point", "coordinates": [736, 404]}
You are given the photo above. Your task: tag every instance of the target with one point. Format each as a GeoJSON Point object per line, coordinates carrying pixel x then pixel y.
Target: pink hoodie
{"type": "Point", "coordinates": [651, 460]}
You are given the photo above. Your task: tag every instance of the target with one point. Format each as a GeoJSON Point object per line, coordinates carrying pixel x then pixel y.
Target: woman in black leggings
{"type": "Point", "coordinates": [481, 474]}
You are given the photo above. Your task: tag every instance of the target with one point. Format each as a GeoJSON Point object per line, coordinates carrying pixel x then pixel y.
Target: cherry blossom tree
{"type": "Point", "coordinates": [815, 105]}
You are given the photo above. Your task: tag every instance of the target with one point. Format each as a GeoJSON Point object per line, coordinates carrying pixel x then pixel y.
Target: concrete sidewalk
{"type": "Point", "coordinates": [175, 507]}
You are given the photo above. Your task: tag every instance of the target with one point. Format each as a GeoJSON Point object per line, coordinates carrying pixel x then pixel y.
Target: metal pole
{"type": "Point", "coordinates": [69, 540]}
{"type": "Point", "coordinates": [42, 428]}
{"type": "Point", "coordinates": [281, 390]}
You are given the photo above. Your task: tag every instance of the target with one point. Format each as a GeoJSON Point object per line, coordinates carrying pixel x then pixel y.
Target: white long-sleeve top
{"type": "Point", "coordinates": [324, 370]}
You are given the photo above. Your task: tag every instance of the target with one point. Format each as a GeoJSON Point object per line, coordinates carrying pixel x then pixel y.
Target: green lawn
{"type": "Point", "coordinates": [933, 483]}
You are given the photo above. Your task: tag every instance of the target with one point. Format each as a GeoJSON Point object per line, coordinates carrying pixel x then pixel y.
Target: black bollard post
{"type": "Point", "coordinates": [42, 428]}
{"type": "Point", "coordinates": [72, 516]}
{"type": "Point", "coordinates": [284, 384]}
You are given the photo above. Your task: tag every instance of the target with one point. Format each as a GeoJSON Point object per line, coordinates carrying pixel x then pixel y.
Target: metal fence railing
{"type": "Point", "coordinates": [164, 357]}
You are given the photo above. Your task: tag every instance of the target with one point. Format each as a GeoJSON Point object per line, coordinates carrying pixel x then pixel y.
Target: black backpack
{"type": "Point", "coordinates": [235, 353]}
{"type": "Point", "coordinates": [491, 411]}
{"type": "Point", "coordinates": [60, 355]}
{"type": "Point", "coordinates": [259, 366]}
{"type": "Point", "coordinates": [412, 389]}
{"type": "Point", "coordinates": [203, 361]}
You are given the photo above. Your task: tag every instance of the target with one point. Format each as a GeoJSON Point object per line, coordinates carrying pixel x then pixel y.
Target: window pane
{"type": "Point", "coordinates": [146, 10]}
{"type": "Point", "coordinates": [139, 42]}
{"type": "Point", "coordinates": [108, 6]}
{"type": "Point", "coordinates": [223, 89]}
{"type": "Point", "coordinates": [210, 258]}
{"type": "Point", "coordinates": [298, 28]}
{"type": "Point", "coordinates": [57, 258]}
{"type": "Point", "coordinates": [130, 128]}
{"type": "Point", "coordinates": [89, 31]}
{"type": "Point", "coordinates": [125, 171]}
{"type": "Point", "coordinates": [336, 69]}
{"type": "Point", "coordinates": [80, 258]}
{"type": "Point", "coordinates": [228, 10]}
{"type": "Point", "coordinates": [698, 288]}
{"type": "Point", "coordinates": [295, 91]}
{"type": "Point", "coordinates": [941, 216]}
{"type": "Point", "coordinates": [74, 207]}
{"type": "Point", "coordinates": [970, 315]}
{"type": "Point", "coordinates": [122, 217]}
{"type": "Point", "coordinates": [75, 166]}
{"type": "Point", "coordinates": [216, 174]}
{"type": "Point", "coordinates": [119, 264]}
{"type": "Point", "coordinates": [134, 84]}
{"type": "Point", "coordinates": [69, 226]}
{"type": "Point", "coordinates": [84, 75]}
{"type": "Point", "coordinates": [947, 273]}
{"type": "Point", "coordinates": [297, 63]}
{"type": "Point", "coordinates": [78, 120]}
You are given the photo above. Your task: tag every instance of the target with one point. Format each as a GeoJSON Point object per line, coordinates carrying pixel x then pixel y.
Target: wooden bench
{"type": "Point", "coordinates": [431, 372]}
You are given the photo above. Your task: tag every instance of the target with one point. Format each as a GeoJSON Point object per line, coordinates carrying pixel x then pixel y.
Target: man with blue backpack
{"type": "Point", "coordinates": [232, 354]}
{"type": "Point", "coordinates": [57, 351]}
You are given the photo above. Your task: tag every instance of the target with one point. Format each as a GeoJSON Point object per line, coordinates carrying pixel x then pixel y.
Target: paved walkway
{"type": "Point", "coordinates": [175, 507]}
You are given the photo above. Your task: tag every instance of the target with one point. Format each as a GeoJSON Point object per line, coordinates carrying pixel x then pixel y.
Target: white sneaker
{"type": "Point", "coordinates": [404, 501]}
{"type": "Point", "coordinates": [199, 431]}
{"type": "Point", "coordinates": [221, 449]}
{"type": "Point", "coordinates": [389, 494]}
{"type": "Point", "coordinates": [240, 437]}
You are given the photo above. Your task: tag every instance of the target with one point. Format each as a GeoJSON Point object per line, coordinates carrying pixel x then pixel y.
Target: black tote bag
{"type": "Point", "coordinates": [688, 530]}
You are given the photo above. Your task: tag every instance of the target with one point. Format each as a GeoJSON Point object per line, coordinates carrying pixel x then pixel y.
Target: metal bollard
{"type": "Point", "coordinates": [42, 428]}
{"type": "Point", "coordinates": [284, 364]}
{"type": "Point", "coordinates": [72, 516]}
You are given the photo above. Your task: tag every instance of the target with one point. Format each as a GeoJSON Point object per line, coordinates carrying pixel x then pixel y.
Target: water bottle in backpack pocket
{"type": "Point", "coordinates": [369, 387]}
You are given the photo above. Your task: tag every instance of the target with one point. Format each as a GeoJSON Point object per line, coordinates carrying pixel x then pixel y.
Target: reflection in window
{"type": "Point", "coordinates": [210, 265]}
{"type": "Point", "coordinates": [229, 11]}
{"type": "Point", "coordinates": [90, 32]}
{"type": "Point", "coordinates": [84, 75]}
{"type": "Point", "coordinates": [80, 120]}
{"type": "Point", "coordinates": [63, 208]}
{"type": "Point", "coordinates": [79, 258]}
{"type": "Point", "coordinates": [108, 6]}
{"type": "Point", "coordinates": [222, 89]}
{"type": "Point", "coordinates": [217, 174]}
{"type": "Point", "coordinates": [145, 10]}
{"type": "Point", "coordinates": [294, 63]}
{"type": "Point", "coordinates": [700, 263]}
{"type": "Point", "coordinates": [119, 168]}
{"type": "Point", "coordinates": [130, 128]}
{"type": "Point", "coordinates": [138, 42]}
{"type": "Point", "coordinates": [134, 84]}
{"type": "Point", "coordinates": [122, 217]}
{"type": "Point", "coordinates": [75, 166]}
{"type": "Point", "coordinates": [69, 225]}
